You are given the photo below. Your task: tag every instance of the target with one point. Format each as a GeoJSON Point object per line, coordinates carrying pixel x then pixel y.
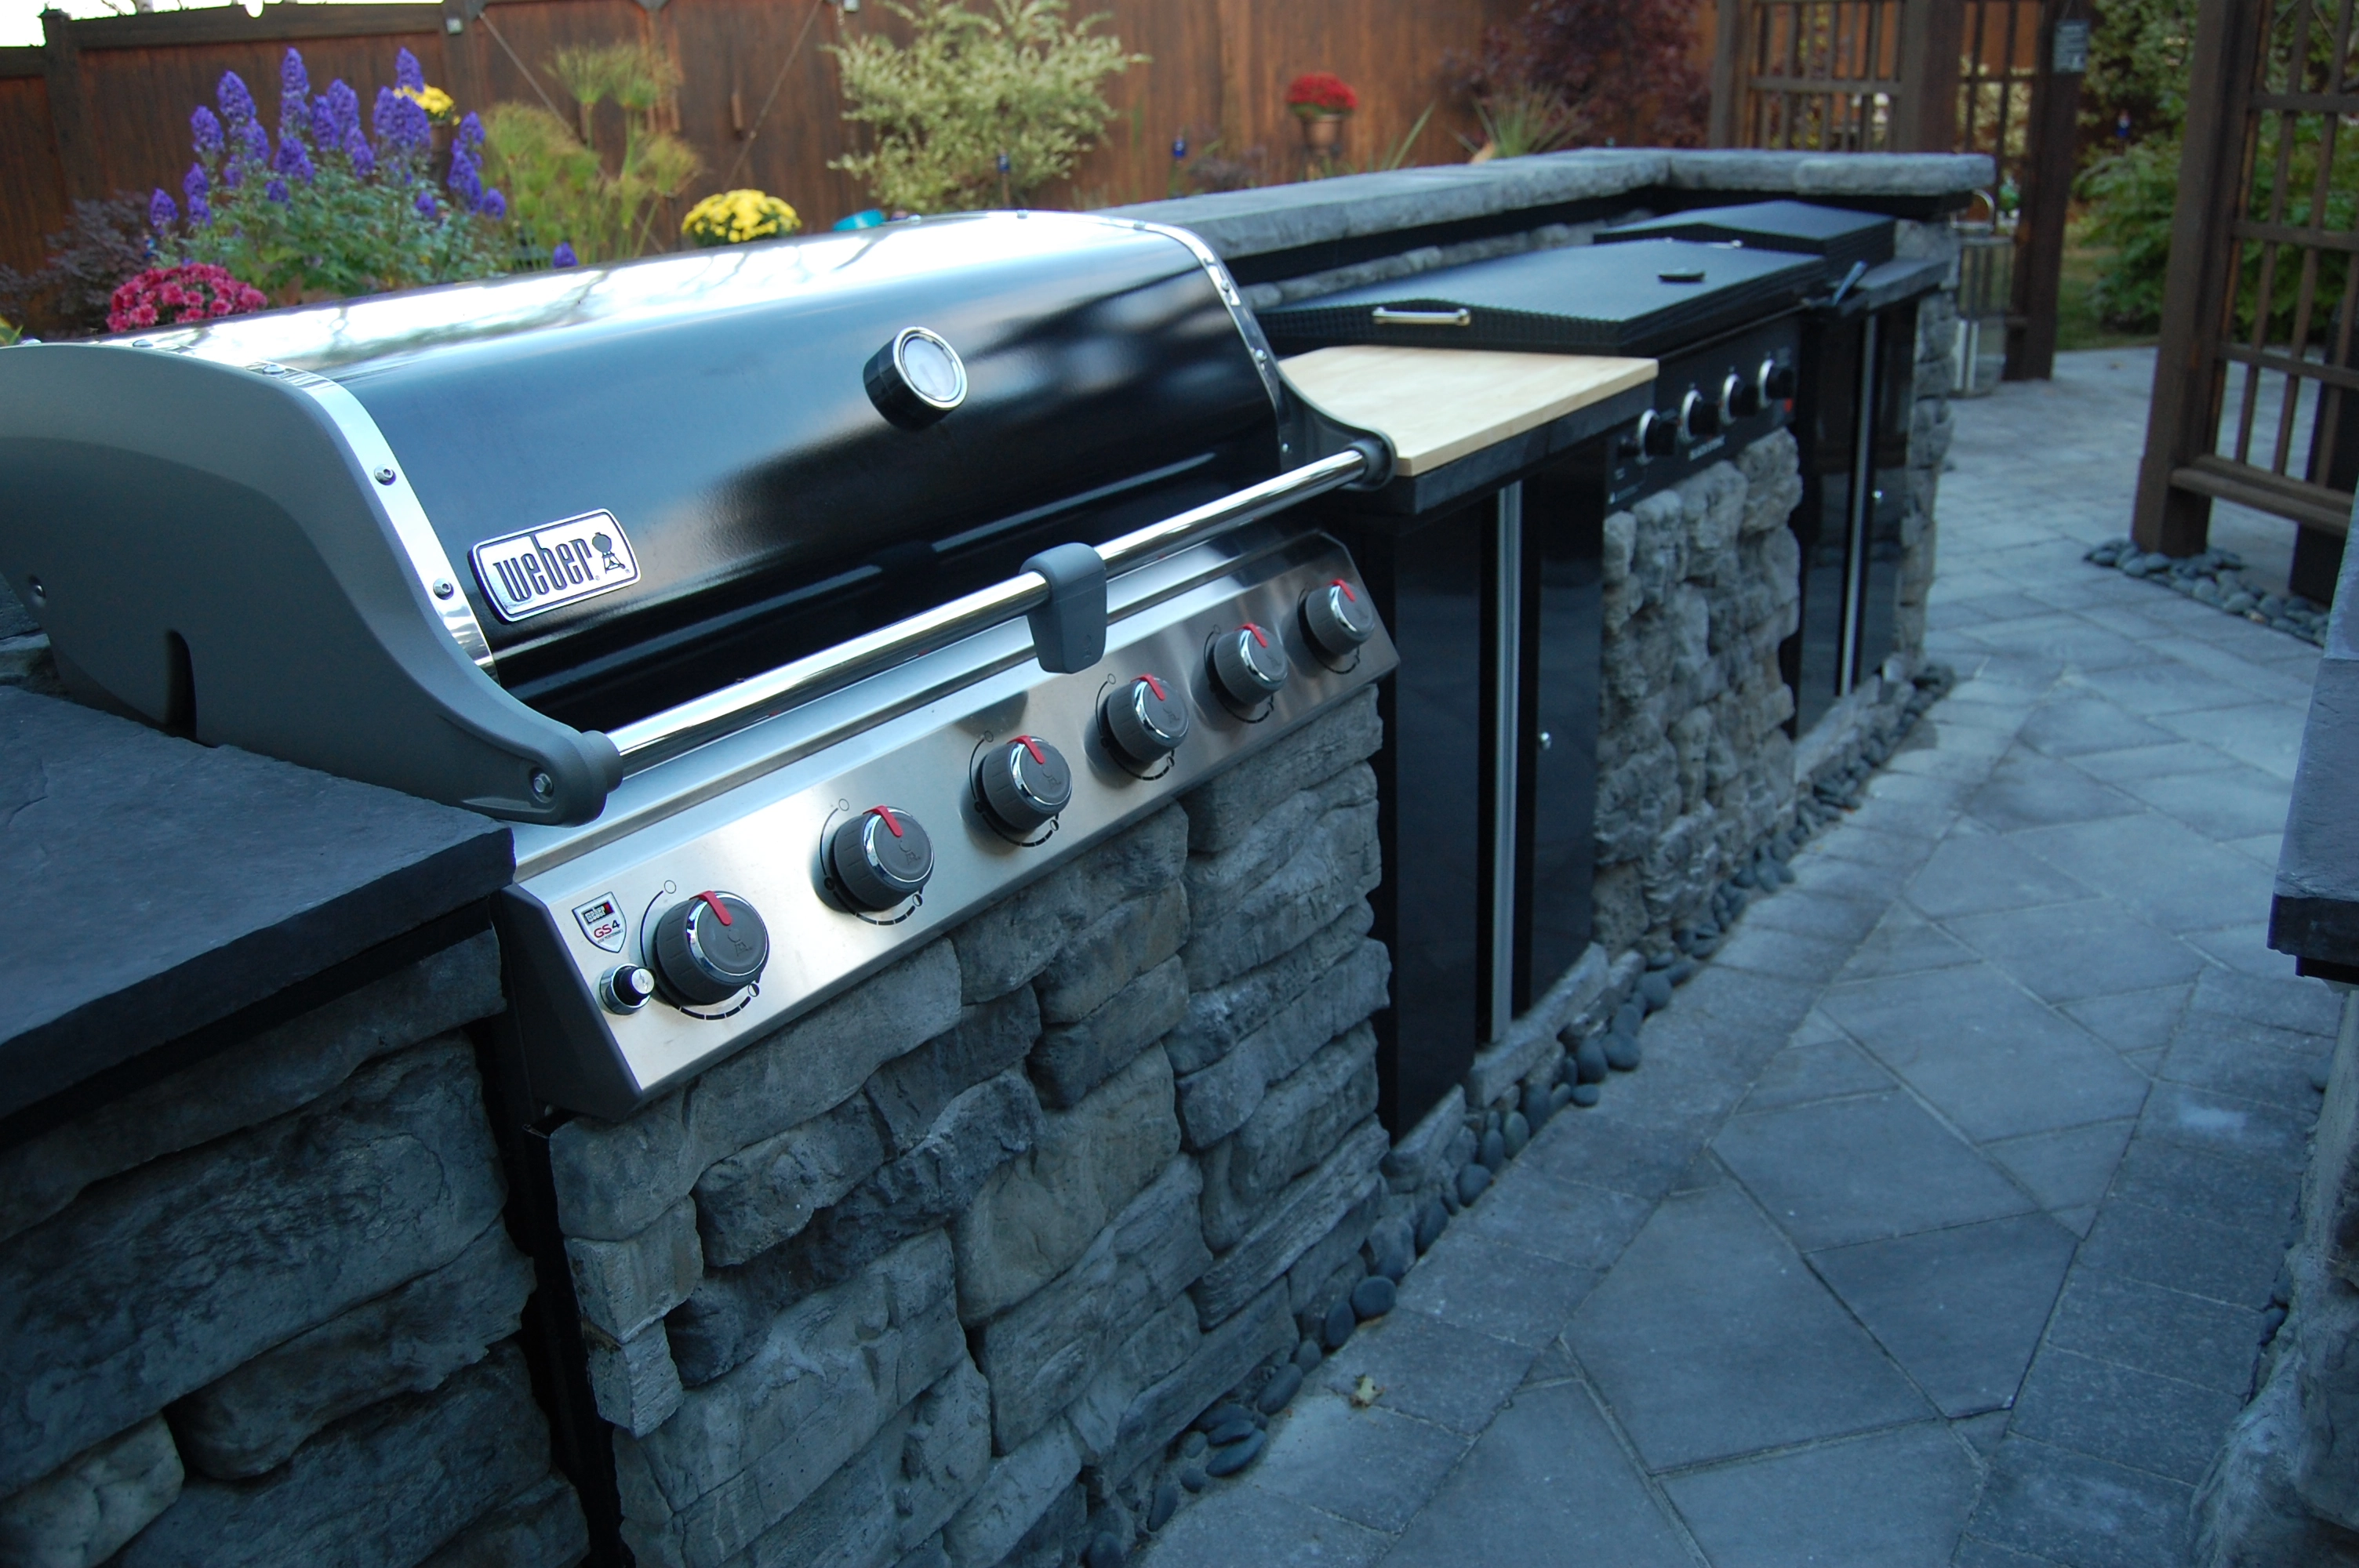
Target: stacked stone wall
{"type": "Point", "coordinates": [939, 1274]}
{"type": "Point", "coordinates": [263, 1310]}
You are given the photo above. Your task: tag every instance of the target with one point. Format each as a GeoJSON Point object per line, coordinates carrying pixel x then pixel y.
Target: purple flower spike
{"type": "Point", "coordinates": [364, 156]}
{"type": "Point", "coordinates": [201, 212]}
{"type": "Point", "coordinates": [325, 132]}
{"type": "Point", "coordinates": [236, 103]}
{"type": "Point", "coordinates": [426, 204]}
{"type": "Point", "coordinates": [277, 192]}
{"type": "Point", "coordinates": [205, 130]}
{"type": "Point", "coordinates": [492, 204]}
{"type": "Point", "coordinates": [563, 254]}
{"type": "Point", "coordinates": [406, 72]}
{"type": "Point", "coordinates": [402, 125]}
{"type": "Point", "coordinates": [471, 132]}
{"type": "Point", "coordinates": [345, 105]}
{"type": "Point", "coordinates": [466, 181]}
{"type": "Point", "coordinates": [162, 212]}
{"type": "Point", "coordinates": [294, 94]}
{"type": "Point", "coordinates": [293, 161]}
{"type": "Point", "coordinates": [257, 148]}
{"type": "Point", "coordinates": [193, 184]}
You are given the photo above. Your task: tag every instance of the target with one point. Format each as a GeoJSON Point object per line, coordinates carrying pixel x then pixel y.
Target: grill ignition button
{"type": "Point", "coordinates": [1144, 721]}
{"type": "Point", "coordinates": [710, 948]}
{"type": "Point", "coordinates": [1248, 667]}
{"type": "Point", "coordinates": [1337, 619]}
{"type": "Point", "coordinates": [880, 858]}
{"type": "Point", "coordinates": [1024, 782]}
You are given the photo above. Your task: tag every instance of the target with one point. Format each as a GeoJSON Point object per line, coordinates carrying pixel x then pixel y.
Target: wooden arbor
{"type": "Point", "coordinates": [2000, 77]}
{"type": "Point", "coordinates": [2261, 279]}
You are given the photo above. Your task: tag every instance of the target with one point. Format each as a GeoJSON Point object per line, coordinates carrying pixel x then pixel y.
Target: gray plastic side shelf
{"type": "Point", "coordinates": [163, 504]}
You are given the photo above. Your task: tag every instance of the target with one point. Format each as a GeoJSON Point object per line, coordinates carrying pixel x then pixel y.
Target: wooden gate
{"type": "Point", "coordinates": [2254, 386]}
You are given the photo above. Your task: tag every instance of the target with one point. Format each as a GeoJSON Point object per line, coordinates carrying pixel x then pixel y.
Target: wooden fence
{"type": "Point", "coordinates": [103, 105]}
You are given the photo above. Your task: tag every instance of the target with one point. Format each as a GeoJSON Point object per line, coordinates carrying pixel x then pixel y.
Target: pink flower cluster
{"type": "Point", "coordinates": [171, 296]}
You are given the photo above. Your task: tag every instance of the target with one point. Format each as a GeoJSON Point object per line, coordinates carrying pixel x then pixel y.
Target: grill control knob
{"type": "Point", "coordinates": [1337, 619]}
{"type": "Point", "coordinates": [1143, 722]}
{"type": "Point", "coordinates": [626, 987]}
{"type": "Point", "coordinates": [1024, 782]}
{"type": "Point", "coordinates": [1248, 666]}
{"type": "Point", "coordinates": [1659, 434]}
{"type": "Point", "coordinates": [1699, 417]}
{"type": "Point", "coordinates": [880, 858]}
{"type": "Point", "coordinates": [1778, 381]}
{"type": "Point", "coordinates": [710, 948]}
{"type": "Point", "coordinates": [1741, 397]}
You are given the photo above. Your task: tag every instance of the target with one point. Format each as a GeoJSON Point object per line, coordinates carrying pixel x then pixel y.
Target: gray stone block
{"type": "Point", "coordinates": [379, 1490]}
{"type": "Point", "coordinates": [754, 1199]}
{"type": "Point", "coordinates": [743, 1451]}
{"type": "Point", "coordinates": [1221, 812]}
{"type": "Point", "coordinates": [1312, 1204]}
{"type": "Point", "coordinates": [1038, 1213]}
{"type": "Point", "coordinates": [160, 1280]}
{"type": "Point", "coordinates": [636, 1384]}
{"type": "Point", "coordinates": [1256, 1331]}
{"type": "Point", "coordinates": [405, 1342]}
{"type": "Point", "coordinates": [1071, 1059]}
{"type": "Point", "coordinates": [1217, 1101]}
{"type": "Point", "coordinates": [1042, 1352]}
{"type": "Point", "coordinates": [1102, 957]}
{"type": "Point", "coordinates": [978, 1132]}
{"type": "Point", "coordinates": [891, 1496]}
{"type": "Point", "coordinates": [1020, 1489]}
{"type": "Point", "coordinates": [1218, 883]}
{"type": "Point", "coordinates": [910, 1090]}
{"type": "Point", "coordinates": [821, 1059]}
{"type": "Point", "coordinates": [623, 1286]}
{"type": "Point", "coordinates": [614, 1178]}
{"type": "Point", "coordinates": [1335, 864]}
{"type": "Point", "coordinates": [1331, 1266]}
{"type": "Point", "coordinates": [1299, 1119]}
{"type": "Point", "coordinates": [1219, 1016]}
{"type": "Point", "coordinates": [250, 1082]}
{"type": "Point", "coordinates": [1153, 1351]}
{"type": "Point", "coordinates": [80, 1514]}
{"type": "Point", "coordinates": [541, 1528]}
{"type": "Point", "coordinates": [1531, 1040]}
{"type": "Point", "coordinates": [1419, 1157]}
{"type": "Point", "coordinates": [1014, 940]}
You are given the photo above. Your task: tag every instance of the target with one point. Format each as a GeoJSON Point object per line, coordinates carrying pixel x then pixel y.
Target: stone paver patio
{"type": "Point", "coordinates": [1942, 1222]}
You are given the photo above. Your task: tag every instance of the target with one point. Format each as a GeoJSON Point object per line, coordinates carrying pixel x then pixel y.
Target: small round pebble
{"type": "Point", "coordinates": [1289, 1381]}
{"type": "Point", "coordinates": [1591, 1061]}
{"type": "Point", "coordinates": [1560, 1095]}
{"type": "Point", "coordinates": [1495, 1153]}
{"type": "Point", "coordinates": [1432, 1220]}
{"type": "Point", "coordinates": [1341, 1321]}
{"type": "Point", "coordinates": [1472, 1180]}
{"type": "Point", "coordinates": [1191, 1445]}
{"type": "Point", "coordinates": [1166, 1504]}
{"type": "Point", "coordinates": [1373, 1297]}
{"type": "Point", "coordinates": [1193, 1478]}
{"type": "Point", "coordinates": [1228, 1461]}
{"type": "Point", "coordinates": [1309, 1354]}
{"type": "Point", "coordinates": [1106, 1551]}
{"type": "Point", "coordinates": [1221, 1415]}
{"type": "Point", "coordinates": [1679, 973]}
{"type": "Point", "coordinates": [1231, 1432]}
{"type": "Point", "coordinates": [1537, 1107]}
{"type": "Point", "coordinates": [1622, 1052]}
{"type": "Point", "coordinates": [1515, 1134]}
{"type": "Point", "coordinates": [1657, 989]}
{"type": "Point", "coordinates": [1629, 1015]}
{"type": "Point", "coordinates": [1585, 1095]}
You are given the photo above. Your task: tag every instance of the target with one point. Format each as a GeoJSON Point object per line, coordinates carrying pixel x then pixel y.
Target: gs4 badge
{"type": "Point", "coordinates": [526, 573]}
{"type": "Point", "coordinates": [601, 922]}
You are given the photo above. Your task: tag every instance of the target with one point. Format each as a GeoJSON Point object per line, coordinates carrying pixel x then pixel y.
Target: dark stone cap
{"type": "Point", "coordinates": [2315, 915]}
{"type": "Point", "coordinates": [158, 887]}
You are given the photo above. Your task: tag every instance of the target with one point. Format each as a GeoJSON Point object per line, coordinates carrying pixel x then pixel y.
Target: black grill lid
{"type": "Point", "coordinates": [1844, 238]}
{"type": "Point", "coordinates": [1645, 298]}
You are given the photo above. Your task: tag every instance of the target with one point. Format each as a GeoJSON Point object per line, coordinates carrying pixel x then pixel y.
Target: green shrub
{"type": "Point", "coordinates": [2131, 196]}
{"type": "Point", "coordinates": [1018, 82]}
{"type": "Point", "coordinates": [559, 187]}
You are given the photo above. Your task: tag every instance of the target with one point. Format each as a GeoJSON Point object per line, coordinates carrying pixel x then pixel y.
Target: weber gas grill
{"type": "Point", "coordinates": [1492, 595]}
{"type": "Point", "coordinates": [1854, 399]}
{"type": "Point", "coordinates": [794, 601]}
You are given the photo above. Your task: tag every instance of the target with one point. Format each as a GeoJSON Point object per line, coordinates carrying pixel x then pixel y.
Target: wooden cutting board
{"type": "Point", "coordinates": [1437, 405]}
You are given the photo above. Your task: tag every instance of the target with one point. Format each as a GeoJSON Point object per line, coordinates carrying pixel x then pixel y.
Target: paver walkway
{"type": "Point", "coordinates": [1941, 1223]}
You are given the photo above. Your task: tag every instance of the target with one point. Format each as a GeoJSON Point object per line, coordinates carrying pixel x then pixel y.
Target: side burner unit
{"type": "Point", "coordinates": [1488, 569]}
{"type": "Point", "coordinates": [1854, 401]}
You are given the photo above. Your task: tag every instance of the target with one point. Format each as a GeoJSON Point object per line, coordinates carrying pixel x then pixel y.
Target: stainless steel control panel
{"type": "Point", "coordinates": [767, 839]}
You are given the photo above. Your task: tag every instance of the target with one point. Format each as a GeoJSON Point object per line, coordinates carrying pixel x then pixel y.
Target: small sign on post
{"type": "Point", "coordinates": [2070, 55]}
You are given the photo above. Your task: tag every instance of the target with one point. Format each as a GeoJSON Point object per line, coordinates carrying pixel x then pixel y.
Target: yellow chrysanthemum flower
{"type": "Point", "coordinates": [735, 216]}
{"type": "Point", "coordinates": [439, 105]}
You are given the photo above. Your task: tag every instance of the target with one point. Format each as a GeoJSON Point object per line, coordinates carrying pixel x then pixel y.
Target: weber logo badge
{"type": "Point", "coordinates": [601, 922]}
{"type": "Point", "coordinates": [527, 574]}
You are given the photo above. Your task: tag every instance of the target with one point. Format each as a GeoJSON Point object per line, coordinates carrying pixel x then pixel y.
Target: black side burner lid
{"type": "Point", "coordinates": [1842, 237]}
{"type": "Point", "coordinates": [1647, 297]}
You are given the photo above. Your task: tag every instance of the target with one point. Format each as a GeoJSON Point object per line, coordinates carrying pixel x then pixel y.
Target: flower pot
{"type": "Point", "coordinates": [1321, 131]}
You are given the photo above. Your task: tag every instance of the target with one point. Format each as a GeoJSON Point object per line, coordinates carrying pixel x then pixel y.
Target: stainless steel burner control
{"type": "Point", "coordinates": [880, 858]}
{"type": "Point", "coordinates": [1336, 620]}
{"type": "Point", "coordinates": [710, 947]}
{"type": "Point", "coordinates": [1143, 720]}
{"type": "Point", "coordinates": [1248, 666]}
{"type": "Point", "coordinates": [1024, 782]}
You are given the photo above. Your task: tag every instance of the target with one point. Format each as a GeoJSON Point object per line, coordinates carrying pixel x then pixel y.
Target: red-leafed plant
{"type": "Point", "coordinates": [1595, 71]}
{"type": "Point", "coordinates": [176, 296]}
{"type": "Point", "coordinates": [1319, 92]}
